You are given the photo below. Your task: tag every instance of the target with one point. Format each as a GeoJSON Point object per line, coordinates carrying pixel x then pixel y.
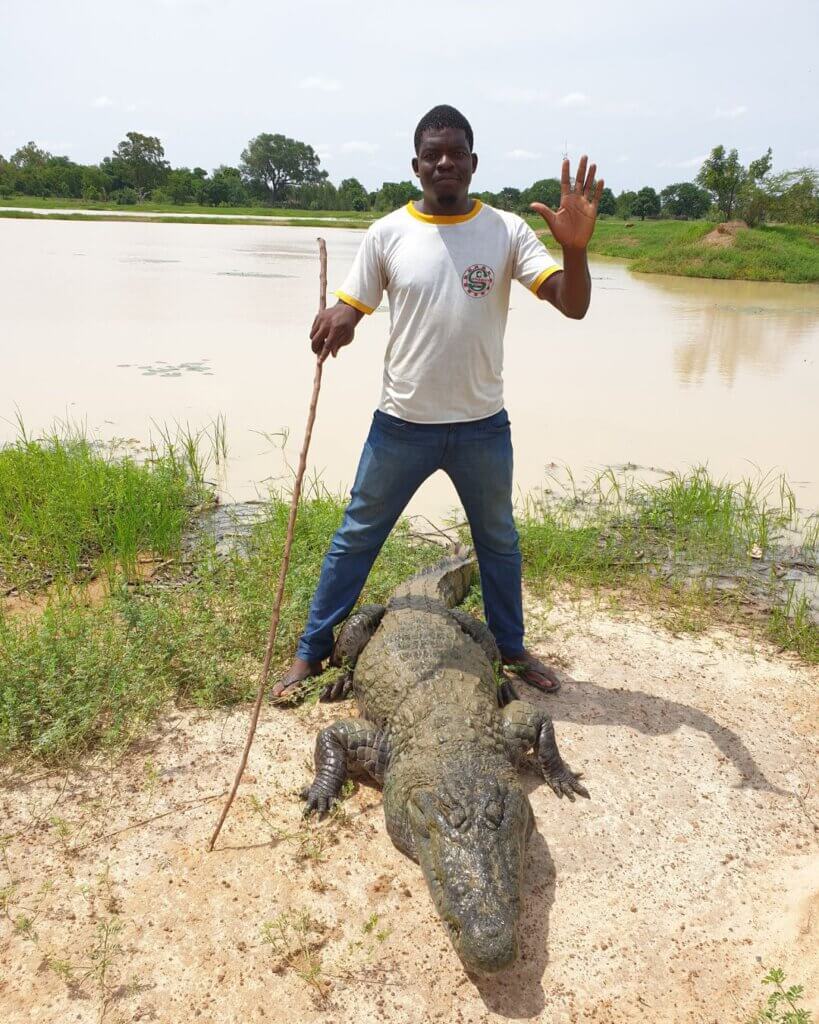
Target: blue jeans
{"type": "Point", "coordinates": [398, 457]}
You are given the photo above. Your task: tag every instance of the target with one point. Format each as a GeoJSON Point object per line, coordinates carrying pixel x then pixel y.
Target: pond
{"type": "Point", "coordinates": [119, 325]}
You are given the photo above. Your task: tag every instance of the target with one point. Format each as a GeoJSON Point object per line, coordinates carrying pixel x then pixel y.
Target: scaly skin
{"type": "Point", "coordinates": [433, 733]}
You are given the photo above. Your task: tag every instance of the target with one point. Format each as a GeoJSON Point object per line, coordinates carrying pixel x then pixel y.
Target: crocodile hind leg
{"type": "Point", "coordinates": [525, 728]}
{"type": "Point", "coordinates": [482, 636]}
{"type": "Point", "coordinates": [353, 637]}
{"type": "Point", "coordinates": [346, 746]}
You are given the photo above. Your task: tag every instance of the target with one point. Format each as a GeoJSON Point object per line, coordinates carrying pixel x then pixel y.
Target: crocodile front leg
{"type": "Point", "coordinates": [349, 745]}
{"type": "Point", "coordinates": [353, 637]}
{"type": "Point", "coordinates": [528, 728]}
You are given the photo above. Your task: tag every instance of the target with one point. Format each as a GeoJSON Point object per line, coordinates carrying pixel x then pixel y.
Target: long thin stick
{"type": "Point", "coordinates": [288, 544]}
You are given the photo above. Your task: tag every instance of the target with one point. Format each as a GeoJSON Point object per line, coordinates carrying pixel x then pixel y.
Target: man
{"type": "Point", "coordinates": [446, 262]}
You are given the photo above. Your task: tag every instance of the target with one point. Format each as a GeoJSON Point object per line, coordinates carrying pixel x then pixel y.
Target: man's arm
{"type": "Point", "coordinates": [334, 328]}
{"type": "Point", "coordinates": [572, 226]}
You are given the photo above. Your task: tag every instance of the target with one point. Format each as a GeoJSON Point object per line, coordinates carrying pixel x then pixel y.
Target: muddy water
{"type": "Point", "coordinates": [121, 324]}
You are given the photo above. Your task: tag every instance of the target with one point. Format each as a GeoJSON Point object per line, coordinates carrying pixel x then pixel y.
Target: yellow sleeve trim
{"type": "Point", "coordinates": [354, 302]}
{"type": "Point", "coordinates": [547, 273]}
{"type": "Point", "coordinates": [460, 218]}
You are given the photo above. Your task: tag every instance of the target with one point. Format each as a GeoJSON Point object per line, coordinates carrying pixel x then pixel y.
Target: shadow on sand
{"type": "Point", "coordinates": [585, 703]}
{"type": "Point", "coordinates": [518, 992]}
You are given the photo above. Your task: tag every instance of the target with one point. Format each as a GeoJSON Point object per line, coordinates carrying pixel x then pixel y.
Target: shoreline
{"type": "Point", "coordinates": [786, 254]}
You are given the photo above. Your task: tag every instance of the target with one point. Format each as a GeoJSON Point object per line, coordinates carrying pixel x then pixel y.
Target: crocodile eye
{"type": "Point", "coordinates": [456, 816]}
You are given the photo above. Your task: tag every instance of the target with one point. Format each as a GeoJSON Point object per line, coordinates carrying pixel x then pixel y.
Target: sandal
{"type": "Point", "coordinates": [533, 671]}
{"type": "Point", "coordinates": [286, 691]}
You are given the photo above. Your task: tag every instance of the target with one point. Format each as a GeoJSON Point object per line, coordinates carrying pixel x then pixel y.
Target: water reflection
{"type": "Point", "coordinates": [751, 324]}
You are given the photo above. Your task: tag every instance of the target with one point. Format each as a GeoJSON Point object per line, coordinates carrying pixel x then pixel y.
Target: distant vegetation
{"type": "Point", "coordinates": [274, 170]}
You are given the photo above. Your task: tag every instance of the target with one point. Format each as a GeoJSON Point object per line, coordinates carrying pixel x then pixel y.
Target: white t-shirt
{"type": "Point", "coordinates": [448, 281]}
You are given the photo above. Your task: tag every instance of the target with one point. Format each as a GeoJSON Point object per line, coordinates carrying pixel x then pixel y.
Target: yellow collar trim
{"type": "Point", "coordinates": [428, 218]}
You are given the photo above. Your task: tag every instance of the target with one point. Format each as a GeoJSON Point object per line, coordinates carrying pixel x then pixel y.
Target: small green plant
{"type": "Point", "coordinates": [296, 939]}
{"type": "Point", "coordinates": [780, 1007]}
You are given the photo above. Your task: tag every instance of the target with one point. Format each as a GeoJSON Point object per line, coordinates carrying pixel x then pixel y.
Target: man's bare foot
{"type": "Point", "coordinates": [533, 671]}
{"type": "Point", "coordinates": [288, 687]}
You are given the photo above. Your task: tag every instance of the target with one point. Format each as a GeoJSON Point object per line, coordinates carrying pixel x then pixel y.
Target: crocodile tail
{"type": "Point", "coordinates": [448, 581]}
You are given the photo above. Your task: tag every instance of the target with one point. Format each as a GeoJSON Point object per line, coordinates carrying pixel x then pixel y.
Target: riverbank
{"type": "Point", "coordinates": [91, 668]}
{"type": "Point", "coordinates": [785, 253]}
{"type": "Point", "coordinates": [788, 253]}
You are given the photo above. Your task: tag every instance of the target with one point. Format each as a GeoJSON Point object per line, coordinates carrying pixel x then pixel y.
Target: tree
{"type": "Point", "coordinates": [625, 204]}
{"type": "Point", "coordinates": [646, 203]}
{"type": "Point", "coordinates": [394, 194]}
{"type": "Point", "coordinates": [723, 176]}
{"type": "Point", "coordinates": [29, 157]}
{"type": "Point", "coordinates": [685, 200]}
{"type": "Point", "coordinates": [226, 188]}
{"type": "Point", "coordinates": [607, 204]}
{"type": "Point", "coordinates": [508, 199]}
{"type": "Point", "coordinates": [276, 163]}
{"type": "Point", "coordinates": [138, 162]}
{"type": "Point", "coordinates": [547, 191]}
{"type": "Point", "coordinates": [352, 195]}
{"type": "Point", "coordinates": [795, 196]}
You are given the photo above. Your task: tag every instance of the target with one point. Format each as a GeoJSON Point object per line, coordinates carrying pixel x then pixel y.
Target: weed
{"type": "Point", "coordinates": [780, 1006]}
{"type": "Point", "coordinates": [296, 939]}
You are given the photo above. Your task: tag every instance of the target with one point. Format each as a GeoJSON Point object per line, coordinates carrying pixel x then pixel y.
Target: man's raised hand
{"type": "Point", "coordinates": [573, 223]}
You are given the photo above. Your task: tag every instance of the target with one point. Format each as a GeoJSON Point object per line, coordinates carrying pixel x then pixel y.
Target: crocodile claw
{"type": "Point", "coordinates": [564, 782]}
{"type": "Point", "coordinates": [317, 801]}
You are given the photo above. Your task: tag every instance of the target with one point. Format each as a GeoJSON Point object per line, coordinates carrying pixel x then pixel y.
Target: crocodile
{"type": "Point", "coordinates": [443, 732]}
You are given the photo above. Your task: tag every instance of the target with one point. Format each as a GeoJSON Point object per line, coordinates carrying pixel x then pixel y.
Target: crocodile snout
{"type": "Point", "coordinates": [487, 950]}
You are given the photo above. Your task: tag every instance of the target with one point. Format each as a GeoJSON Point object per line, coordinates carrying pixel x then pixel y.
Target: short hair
{"type": "Point", "coordinates": [443, 116]}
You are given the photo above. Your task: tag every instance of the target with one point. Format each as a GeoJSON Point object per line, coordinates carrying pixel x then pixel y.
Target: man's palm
{"type": "Point", "coordinates": [573, 223]}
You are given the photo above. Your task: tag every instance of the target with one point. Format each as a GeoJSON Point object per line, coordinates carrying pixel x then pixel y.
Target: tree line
{"type": "Point", "coordinates": [278, 171]}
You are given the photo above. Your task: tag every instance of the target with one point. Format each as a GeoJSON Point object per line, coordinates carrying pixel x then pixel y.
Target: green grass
{"type": "Point", "coordinates": [689, 542]}
{"type": "Point", "coordinates": [256, 212]}
{"type": "Point", "coordinates": [81, 677]}
{"type": "Point", "coordinates": [788, 253]}
{"type": "Point", "coordinates": [78, 677]}
{"type": "Point", "coordinates": [71, 508]}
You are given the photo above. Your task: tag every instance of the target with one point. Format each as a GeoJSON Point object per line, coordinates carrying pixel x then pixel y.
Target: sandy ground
{"type": "Point", "coordinates": [692, 870]}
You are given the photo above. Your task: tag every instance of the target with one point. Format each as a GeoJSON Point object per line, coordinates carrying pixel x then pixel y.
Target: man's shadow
{"type": "Point", "coordinates": [585, 703]}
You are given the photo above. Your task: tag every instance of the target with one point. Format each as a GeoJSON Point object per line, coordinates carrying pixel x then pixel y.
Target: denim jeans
{"type": "Point", "coordinates": [398, 457]}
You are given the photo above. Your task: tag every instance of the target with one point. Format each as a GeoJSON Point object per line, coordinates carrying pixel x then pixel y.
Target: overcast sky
{"type": "Point", "coordinates": [645, 87]}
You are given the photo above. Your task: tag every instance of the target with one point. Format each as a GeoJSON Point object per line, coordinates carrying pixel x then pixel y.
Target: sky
{"type": "Point", "coordinates": [645, 88]}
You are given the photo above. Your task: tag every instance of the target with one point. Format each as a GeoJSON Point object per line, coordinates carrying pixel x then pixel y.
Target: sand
{"type": "Point", "coordinates": [665, 898]}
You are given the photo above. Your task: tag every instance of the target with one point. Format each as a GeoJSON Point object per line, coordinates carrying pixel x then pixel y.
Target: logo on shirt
{"type": "Point", "coordinates": [477, 280]}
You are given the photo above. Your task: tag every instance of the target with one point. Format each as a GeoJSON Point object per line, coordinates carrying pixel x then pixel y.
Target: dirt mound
{"type": "Point", "coordinates": [665, 898]}
{"type": "Point", "coordinates": [724, 235]}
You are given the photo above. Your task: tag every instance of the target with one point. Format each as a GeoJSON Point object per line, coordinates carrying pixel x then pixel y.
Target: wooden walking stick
{"type": "Point", "coordinates": [288, 544]}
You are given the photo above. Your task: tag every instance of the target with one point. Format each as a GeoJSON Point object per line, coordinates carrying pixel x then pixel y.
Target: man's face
{"type": "Point", "coordinates": [445, 164]}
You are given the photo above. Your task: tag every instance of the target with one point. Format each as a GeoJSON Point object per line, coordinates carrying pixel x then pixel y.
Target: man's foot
{"type": "Point", "coordinates": [533, 671]}
{"type": "Point", "coordinates": [287, 689]}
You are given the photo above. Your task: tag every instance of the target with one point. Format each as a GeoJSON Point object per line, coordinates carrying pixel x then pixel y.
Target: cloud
{"type": "Point", "coordinates": [321, 84]}
{"type": "Point", "coordinates": [622, 159]}
{"type": "Point", "coordinates": [574, 100]}
{"type": "Point", "coordinates": [730, 112]}
{"type": "Point", "coordinates": [522, 154]}
{"type": "Point", "coordinates": [355, 146]}
{"type": "Point", "coordinates": [101, 102]}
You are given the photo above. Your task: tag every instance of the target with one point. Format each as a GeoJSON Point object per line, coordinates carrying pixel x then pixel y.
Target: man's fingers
{"type": "Point", "coordinates": [545, 212]}
{"type": "Point", "coordinates": [581, 173]}
{"type": "Point", "coordinates": [565, 188]}
{"type": "Point", "coordinates": [598, 192]}
{"type": "Point", "coordinates": [587, 188]}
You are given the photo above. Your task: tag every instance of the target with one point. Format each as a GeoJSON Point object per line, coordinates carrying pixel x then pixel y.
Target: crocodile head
{"type": "Point", "coordinates": [469, 835]}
